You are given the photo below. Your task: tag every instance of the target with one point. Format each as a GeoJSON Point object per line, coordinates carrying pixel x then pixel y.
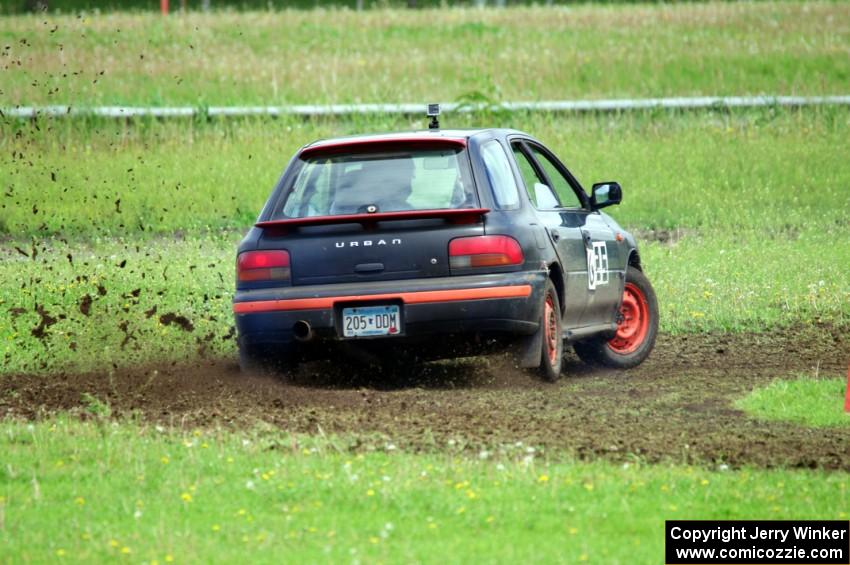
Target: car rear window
{"type": "Point", "coordinates": [385, 181]}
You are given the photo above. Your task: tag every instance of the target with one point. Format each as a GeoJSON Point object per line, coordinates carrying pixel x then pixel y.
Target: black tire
{"type": "Point", "coordinates": [627, 348]}
{"type": "Point", "coordinates": [552, 344]}
{"type": "Point", "coordinates": [265, 359]}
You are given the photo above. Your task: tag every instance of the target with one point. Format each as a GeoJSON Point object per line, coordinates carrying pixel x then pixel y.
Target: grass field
{"type": "Point", "coordinates": [432, 55]}
{"type": "Point", "coordinates": [808, 401]}
{"type": "Point", "coordinates": [99, 491]}
{"type": "Point", "coordinates": [768, 171]}
{"type": "Point", "coordinates": [117, 248]}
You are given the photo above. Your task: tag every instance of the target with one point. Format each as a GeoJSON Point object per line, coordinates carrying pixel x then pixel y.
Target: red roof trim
{"type": "Point", "coordinates": [377, 142]}
{"type": "Point", "coordinates": [455, 214]}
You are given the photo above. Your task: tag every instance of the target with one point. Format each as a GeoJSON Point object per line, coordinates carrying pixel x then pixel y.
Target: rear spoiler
{"type": "Point", "coordinates": [454, 215]}
{"type": "Point", "coordinates": [380, 143]}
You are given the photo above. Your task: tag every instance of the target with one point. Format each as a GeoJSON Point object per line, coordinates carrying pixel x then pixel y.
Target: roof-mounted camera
{"type": "Point", "coordinates": [433, 112]}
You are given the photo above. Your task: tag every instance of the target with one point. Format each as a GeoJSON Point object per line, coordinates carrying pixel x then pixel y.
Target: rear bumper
{"type": "Point", "coordinates": [500, 303]}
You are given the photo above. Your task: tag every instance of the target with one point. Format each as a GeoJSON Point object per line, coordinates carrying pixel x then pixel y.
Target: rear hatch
{"type": "Point", "coordinates": [376, 211]}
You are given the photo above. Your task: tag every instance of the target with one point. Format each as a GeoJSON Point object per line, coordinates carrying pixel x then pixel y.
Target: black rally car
{"type": "Point", "coordinates": [440, 243]}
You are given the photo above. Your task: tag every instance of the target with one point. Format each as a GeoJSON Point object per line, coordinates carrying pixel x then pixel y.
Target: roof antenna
{"type": "Point", "coordinates": [433, 112]}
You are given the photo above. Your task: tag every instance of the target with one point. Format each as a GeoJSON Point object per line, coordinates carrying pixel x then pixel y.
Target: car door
{"type": "Point", "coordinates": [587, 245]}
{"type": "Point", "coordinates": [563, 227]}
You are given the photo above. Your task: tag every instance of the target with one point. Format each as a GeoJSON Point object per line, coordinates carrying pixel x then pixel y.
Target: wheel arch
{"type": "Point", "coordinates": [634, 260]}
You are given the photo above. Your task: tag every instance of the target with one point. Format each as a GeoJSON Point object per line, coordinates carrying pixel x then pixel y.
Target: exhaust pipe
{"type": "Point", "coordinates": [302, 331]}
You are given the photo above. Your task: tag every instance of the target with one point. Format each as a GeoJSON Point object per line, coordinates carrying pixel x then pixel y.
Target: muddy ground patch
{"type": "Point", "coordinates": [677, 407]}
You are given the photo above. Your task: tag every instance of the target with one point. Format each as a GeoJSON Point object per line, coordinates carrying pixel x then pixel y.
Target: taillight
{"type": "Point", "coordinates": [484, 251]}
{"type": "Point", "coordinates": [254, 266]}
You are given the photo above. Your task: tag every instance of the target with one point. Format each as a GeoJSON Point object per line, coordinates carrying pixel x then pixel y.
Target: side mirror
{"type": "Point", "coordinates": [605, 194]}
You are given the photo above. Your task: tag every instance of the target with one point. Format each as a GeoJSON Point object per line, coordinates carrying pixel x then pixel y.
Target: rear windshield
{"type": "Point", "coordinates": [389, 181]}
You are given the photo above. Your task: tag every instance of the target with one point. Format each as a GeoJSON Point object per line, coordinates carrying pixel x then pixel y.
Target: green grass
{"type": "Point", "coordinates": [806, 400]}
{"type": "Point", "coordinates": [773, 172]}
{"type": "Point", "coordinates": [99, 6]}
{"type": "Point", "coordinates": [124, 323]}
{"type": "Point", "coordinates": [751, 281]}
{"type": "Point", "coordinates": [103, 491]}
{"type": "Point", "coordinates": [531, 53]}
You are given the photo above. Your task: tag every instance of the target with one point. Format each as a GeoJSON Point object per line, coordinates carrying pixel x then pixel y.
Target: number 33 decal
{"type": "Point", "coordinates": [597, 265]}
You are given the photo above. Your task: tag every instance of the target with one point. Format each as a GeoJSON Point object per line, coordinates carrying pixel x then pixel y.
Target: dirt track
{"type": "Point", "coordinates": [676, 407]}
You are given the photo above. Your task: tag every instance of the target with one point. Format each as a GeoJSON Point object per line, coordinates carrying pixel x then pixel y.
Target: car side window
{"type": "Point", "coordinates": [541, 194]}
{"type": "Point", "coordinates": [561, 186]}
{"type": "Point", "coordinates": [500, 175]}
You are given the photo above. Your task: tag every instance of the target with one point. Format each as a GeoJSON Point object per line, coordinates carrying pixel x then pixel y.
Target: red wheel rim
{"type": "Point", "coordinates": [549, 318]}
{"type": "Point", "coordinates": [634, 321]}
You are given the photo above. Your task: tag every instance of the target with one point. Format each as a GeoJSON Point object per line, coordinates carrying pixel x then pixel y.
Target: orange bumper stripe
{"type": "Point", "coordinates": [421, 297]}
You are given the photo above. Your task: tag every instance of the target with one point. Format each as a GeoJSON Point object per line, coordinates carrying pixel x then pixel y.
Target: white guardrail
{"type": "Point", "coordinates": [615, 105]}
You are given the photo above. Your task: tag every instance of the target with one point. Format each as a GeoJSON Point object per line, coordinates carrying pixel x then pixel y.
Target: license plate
{"type": "Point", "coordinates": [368, 321]}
